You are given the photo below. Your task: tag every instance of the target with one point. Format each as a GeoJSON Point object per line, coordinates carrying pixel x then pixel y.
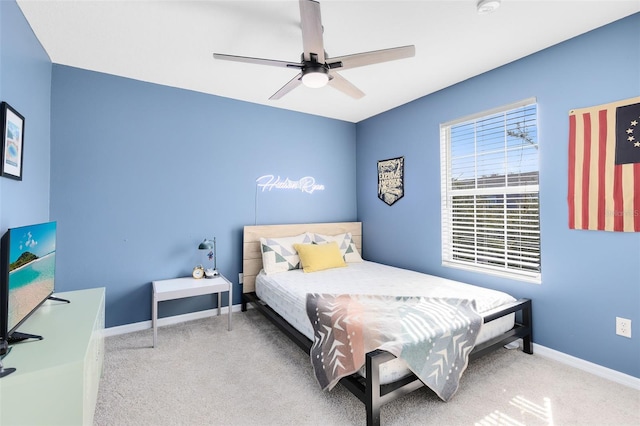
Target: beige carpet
{"type": "Point", "coordinates": [202, 374]}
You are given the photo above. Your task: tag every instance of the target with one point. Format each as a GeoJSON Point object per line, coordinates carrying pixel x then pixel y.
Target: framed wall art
{"type": "Point", "coordinates": [391, 180]}
{"type": "Point", "coordinates": [12, 142]}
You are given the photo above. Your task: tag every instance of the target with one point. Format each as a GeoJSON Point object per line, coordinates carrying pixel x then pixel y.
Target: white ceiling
{"type": "Point", "coordinates": [172, 42]}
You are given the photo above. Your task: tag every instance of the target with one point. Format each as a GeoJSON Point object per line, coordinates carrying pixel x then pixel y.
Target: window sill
{"type": "Point", "coordinates": [533, 278]}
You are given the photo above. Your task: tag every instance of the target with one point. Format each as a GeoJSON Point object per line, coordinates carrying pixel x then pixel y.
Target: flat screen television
{"type": "Point", "coordinates": [27, 275]}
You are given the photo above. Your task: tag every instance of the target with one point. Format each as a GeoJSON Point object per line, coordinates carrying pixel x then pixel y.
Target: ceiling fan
{"type": "Point", "coordinates": [316, 68]}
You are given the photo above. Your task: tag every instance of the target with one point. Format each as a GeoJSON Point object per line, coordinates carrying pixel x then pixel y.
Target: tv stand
{"type": "Point", "coordinates": [58, 299]}
{"type": "Point", "coordinates": [60, 374]}
{"type": "Point", "coordinates": [17, 337]}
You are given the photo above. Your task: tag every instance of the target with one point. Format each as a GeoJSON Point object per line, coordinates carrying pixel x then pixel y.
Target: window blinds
{"type": "Point", "coordinates": [490, 192]}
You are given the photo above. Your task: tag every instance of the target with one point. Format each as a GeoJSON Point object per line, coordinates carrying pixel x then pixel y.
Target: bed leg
{"type": "Point", "coordinates": [243, 304]}
{"type": "Point", "coordinates": [372, 403]}
{"type": "Point", "coordinates": [527, 341]}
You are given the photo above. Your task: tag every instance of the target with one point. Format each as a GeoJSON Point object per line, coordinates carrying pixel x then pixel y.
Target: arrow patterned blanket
{"type": "Point", "coordinates": [434, 336]}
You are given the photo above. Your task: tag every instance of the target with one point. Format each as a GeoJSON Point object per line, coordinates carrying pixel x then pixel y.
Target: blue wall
{"type": "Point", "coordinates": [141, 173]}
{"type": "Point", "coordinates": [588, 277]}
{"type": "Point", "coordinates": [25, 84]}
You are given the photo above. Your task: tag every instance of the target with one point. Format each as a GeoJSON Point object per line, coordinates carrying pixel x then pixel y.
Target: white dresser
{"type": "Point", "coordinates": [56, 379]}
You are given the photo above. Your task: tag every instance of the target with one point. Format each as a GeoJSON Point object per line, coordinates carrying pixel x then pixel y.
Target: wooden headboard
{"type": "Point", "coordinates": [252, 256]}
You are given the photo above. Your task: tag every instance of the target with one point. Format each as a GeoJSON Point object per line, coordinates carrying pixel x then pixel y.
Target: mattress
{"type": "Point", "coordinates": [286, 294]}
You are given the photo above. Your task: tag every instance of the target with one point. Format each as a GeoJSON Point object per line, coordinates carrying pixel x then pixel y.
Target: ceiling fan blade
{"type": "Point", "coordinates": [259, 61]}
{"type": "Point", "coordinates": [373, 57]}
{"type": "Point", "coordinates": [343, 85]}
{"type": "Point", "coordinates": [311, 23]}
{"type": "Point", "coordinates": [292, 84]}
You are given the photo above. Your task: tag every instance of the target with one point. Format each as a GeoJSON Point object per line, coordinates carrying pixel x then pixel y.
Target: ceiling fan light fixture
{"type": "Point", "coordinates": [315, 71]}
{"type": "Point", "coordinates": [315, 77]}
{"type": "Point", "coordinates": [487, 6]}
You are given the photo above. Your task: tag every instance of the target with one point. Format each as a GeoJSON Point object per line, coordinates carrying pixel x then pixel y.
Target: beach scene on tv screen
{"type": "Point", "coordinates": [32, 263]}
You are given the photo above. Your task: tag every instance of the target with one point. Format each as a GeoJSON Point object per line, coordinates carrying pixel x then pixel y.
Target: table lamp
{"type": "Point", "coordinates": [208, 249]}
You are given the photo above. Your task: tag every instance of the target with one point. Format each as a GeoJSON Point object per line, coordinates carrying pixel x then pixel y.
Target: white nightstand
{"type": "Point", "coordinates": [179, 288]}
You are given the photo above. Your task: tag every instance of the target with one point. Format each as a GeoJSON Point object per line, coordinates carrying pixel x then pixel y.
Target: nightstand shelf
{"type": "Point", "coordinates": [179, 288]}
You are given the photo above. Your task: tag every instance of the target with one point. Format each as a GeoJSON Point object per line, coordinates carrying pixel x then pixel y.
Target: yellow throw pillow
{"type": "Point", "coordinates": [318, 257]}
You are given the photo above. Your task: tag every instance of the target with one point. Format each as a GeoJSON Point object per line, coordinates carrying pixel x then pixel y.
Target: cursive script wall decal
{"type": "Point", "coordinates": [306, 184]}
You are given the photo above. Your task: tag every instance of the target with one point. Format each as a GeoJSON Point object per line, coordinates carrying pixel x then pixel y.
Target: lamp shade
{"type": "Point", "coordinates": [206, 245]}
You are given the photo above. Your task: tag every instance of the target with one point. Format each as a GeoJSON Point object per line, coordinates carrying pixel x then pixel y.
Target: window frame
{"type": "Point", "coordinates": [448, 193]}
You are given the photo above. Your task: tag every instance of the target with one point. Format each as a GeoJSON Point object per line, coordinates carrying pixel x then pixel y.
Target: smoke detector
{"type": "Point", "coordinates": [487, 6]}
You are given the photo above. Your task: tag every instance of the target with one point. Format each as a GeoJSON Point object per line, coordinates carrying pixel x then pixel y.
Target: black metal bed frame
{"type": "Point", "coordinates": [369, 390]}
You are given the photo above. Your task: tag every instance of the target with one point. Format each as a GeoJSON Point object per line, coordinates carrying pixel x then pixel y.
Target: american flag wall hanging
{"type": "Point", "coordinates": [604, 167]}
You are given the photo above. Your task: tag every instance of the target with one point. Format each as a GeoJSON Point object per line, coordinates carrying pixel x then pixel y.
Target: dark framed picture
{"type": "Point", "coordinates": [391, 180]}
{"type": "Point", "coordinates": [12, 142]}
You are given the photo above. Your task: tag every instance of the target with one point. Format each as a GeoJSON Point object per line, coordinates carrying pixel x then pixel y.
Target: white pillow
{"type": "Point", "coordinates": [278, 254]}
{"type": "Point", "coordinates": [345, 243]}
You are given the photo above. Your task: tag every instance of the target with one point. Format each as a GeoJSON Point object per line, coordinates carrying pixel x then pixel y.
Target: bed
{"type": "Point", "coordinates": [289, 299]}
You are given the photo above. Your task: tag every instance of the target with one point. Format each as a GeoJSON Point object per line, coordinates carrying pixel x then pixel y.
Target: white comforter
{"type": "Point", "coordinates": [286, 294]}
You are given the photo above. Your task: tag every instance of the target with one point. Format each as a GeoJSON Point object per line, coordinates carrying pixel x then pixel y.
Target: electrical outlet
{"type": "Point", "coordinates": [240, 278]}
{"type": "Point", "coordinates": [623, 327]}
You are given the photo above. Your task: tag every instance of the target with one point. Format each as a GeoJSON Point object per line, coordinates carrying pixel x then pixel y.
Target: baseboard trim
{"type": "Point", "coordinates": [176, 319]}
{"type": "Point", "coordinates": [543, 351]}
{"type": "Point", "coordinates": [589, 367]}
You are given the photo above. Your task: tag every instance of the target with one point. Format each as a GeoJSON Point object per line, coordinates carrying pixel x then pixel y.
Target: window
{"type": "Point", "coordinates": [490, 192]}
